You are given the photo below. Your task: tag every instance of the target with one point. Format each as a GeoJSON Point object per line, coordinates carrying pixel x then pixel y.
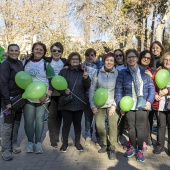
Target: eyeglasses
{"type": "Point", "coordinates": [131, 57]}
{"type": "Point", "coordinates": [74, 59]}
{"type": "Point", "coordinates": [148, 58]}
{"type": "Point", "coordinates": [59, 51]}
{"type": "Point", "coordinates": [119, 55]}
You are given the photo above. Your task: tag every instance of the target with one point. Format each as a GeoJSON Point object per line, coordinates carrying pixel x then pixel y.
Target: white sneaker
{"type": "Point", "coordinates": [30, 147]}
{"type": "Point", "coordinates": [38, 148]}
{"type": "Point", "coordinates": [87, 141]}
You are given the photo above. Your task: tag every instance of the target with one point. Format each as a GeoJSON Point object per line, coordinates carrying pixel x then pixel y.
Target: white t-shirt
{"type": "Point", "coordinates": [38, 73]}
{"type": "Point", "coordinates": [57, 66]}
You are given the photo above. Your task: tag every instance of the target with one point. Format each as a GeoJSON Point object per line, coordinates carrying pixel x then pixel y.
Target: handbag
{"type": "Point", "coordinates": [141, 103]}
{"type": "Point", "coordinates": [167, 103]}
{"type": "Point", "coordinates": [17, 102]}
{"type": "Point", "coordinates": [65, 99]}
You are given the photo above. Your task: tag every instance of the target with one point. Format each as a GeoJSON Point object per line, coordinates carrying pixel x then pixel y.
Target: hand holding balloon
{"type": "Point", "coordinates": [67, 91]}
{"type": "Point", "coordinates": [157, 97]}
{"type": "Point", "coordinates": [163, 92]}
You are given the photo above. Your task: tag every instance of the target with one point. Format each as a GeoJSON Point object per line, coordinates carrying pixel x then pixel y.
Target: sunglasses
{"type": "Point", "coordinates": [59, 51]}
{"type": "Point", "coordinates": [91, 55]}
{"type": "Point", "coordinates": [148, 58]}
{"type": "Point", "coordinates": [119, 55]}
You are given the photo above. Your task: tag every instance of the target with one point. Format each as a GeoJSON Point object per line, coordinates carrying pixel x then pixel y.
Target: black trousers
{"type": "Point", "coordinates": [70, 117]}
{"type": "Point", "coordinates": [54, 119]}
{"type": "Point", "coordinates": [163, 120]}
{"type": "Point", "coordinates": [137, 120]}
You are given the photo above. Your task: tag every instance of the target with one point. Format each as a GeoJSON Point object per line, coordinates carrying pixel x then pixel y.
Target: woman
{"type": "Point", "coordinates": [9, 89]}
{"type": "Point", "coordinates": [135, 83]}
{"type": "Point", "coordinates": [106, 78]}
{"type": "Point", "coordinates": [145, 60]}
{"type": "Point", "coordinates": [78, 82]}
{"type": "Point", "coordinates": [157, 50]}
{"type": "Point", "coordinates": [54, 116]}
{"type": "Point", "coordinates": [119, 59]}
{"type": "Point", "coordinates": [162, 113]}
{"type": "Point", "coordinates": [120, 64]}
{"type": "Point", "coordinates": [34, 110]}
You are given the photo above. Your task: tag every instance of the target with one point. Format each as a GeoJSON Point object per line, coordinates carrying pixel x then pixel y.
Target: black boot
{"type": "Point", "coordinates": [112, 154]}
{"type": "Point", "coordinates": [158, 149]}
{"type": "Point", "coordinates": [103, 149]}
{"type": "Point", "coordinates": [53, 141]}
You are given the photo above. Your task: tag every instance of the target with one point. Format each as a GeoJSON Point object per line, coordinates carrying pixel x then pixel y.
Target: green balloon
{"type": "Point", "coordinates": [100, 97]}
{"type": "Point", "coordinates": [1, 52]}
{"type": "Point", "coordinates": [162, 78]}
{"type": "Point", "coordinates": [23, 79]}
{"type": "Point", "coordinates": [126, 103]}
{"type": "Point", "coordinates": [35, 90]}
{"type": "Point", "coordinates": [59, 82]}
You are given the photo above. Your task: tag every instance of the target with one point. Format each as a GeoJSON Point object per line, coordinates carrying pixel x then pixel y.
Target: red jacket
{"type": "Point", "coordinates": [155, 104]}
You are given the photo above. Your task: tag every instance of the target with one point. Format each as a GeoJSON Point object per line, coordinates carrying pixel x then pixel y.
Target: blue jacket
{"type": "Point", "coordinates": [124, 85]}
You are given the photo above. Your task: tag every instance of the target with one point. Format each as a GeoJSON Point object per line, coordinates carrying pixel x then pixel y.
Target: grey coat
{"type": "Point", "coordinates": [105, 80]}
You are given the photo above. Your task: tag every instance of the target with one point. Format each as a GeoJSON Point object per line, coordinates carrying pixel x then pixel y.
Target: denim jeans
{"type": "Point", "coordinates": [34, 112]}
{"type": "Point", "coordinates": [88, 121]}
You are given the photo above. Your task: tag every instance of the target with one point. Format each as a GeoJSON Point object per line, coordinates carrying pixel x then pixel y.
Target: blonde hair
{"type": "Point", "coordinates": [164, 56]}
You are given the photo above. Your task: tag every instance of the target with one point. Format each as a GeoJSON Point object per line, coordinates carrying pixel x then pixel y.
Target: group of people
{"type": "Point", "coordinates": [122, 74]}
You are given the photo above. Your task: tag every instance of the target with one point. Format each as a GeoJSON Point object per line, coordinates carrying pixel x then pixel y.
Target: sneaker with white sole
{"type": "Point", "coordinates": [38, 148]}
{"type": "Point", "coordinates": [87, 141]}
{"type": "Point", "coordinates": [64, 148]}
{"type": "Point", "coordinates": [15, 148]}
{"type": "Point", "coordinates": [30, 147]}
{"type": "Point", "coordinates": [7, 155]}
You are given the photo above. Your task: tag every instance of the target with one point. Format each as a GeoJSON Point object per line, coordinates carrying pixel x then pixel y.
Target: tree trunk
{"type": "Point", "coordinates": [153, 24]}
{"type": "Point", "coordinates": [146, 34]}
{"type": "Point", "coordinates": [161, 26]}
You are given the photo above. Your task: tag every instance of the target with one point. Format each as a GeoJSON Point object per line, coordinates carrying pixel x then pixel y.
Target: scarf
{"type": "Point", "coordinates": [136, 81]}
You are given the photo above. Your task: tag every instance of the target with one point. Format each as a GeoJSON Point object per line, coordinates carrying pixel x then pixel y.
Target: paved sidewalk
{"type": "Point", "coordinates": [90, 159]}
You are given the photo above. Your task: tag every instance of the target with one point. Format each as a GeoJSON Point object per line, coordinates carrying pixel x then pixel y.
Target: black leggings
{"type": "Point", "coordinates": [137, 120]}
{"type": "Point", "coordinates": [70, 117]}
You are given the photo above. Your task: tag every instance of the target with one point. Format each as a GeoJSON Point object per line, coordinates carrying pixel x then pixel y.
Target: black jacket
{"type": "Point", "coordinates": [8, 69]}
{"type": "Point", "coordinates": [81, 85]}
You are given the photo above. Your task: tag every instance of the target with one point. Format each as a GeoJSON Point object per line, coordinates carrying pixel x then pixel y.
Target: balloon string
{"type": "Point", "coordinates": [45, 108]}
{"type": "Point", "coordinates": [77, 97]}
{"type": "Point", "coordinates": [119, 120]}
{"type": "Point", "coordinates": [11, 105]}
